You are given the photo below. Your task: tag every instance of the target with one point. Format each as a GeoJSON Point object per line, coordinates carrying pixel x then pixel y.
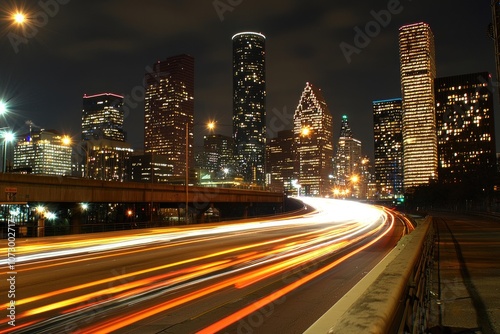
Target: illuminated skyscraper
{"type": "Point", "coordinates": [418, 70]}
{"type": "Point", "coordinates": [249, 105]}
{"type": "Point", "coordinates": [465, 129]}
{"type": "Point", "coordinates": [102, 117]}
{"type": "Point", "coordinates": [313, 141]}
{"type": "Point", "coordinates": [218, 155]}
{"type": "Point", "coordinates": [104, 153]}
{"type": "Point", "coordinates": [347, 159]}
{"type": "Point", "coordinates": [169, 108]}
{"type": "Point", "coordinates": [43, 152]}
{"type": "Point", "coordinates": [387, 128]}
{"type": "Point", "coordinates": [348, 154]}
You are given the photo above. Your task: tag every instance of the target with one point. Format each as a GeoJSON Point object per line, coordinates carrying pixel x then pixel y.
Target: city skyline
{"type": "Point", "coordinates": [303, 45]}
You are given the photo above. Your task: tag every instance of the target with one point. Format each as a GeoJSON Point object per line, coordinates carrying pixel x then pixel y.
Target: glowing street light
{"type": "Point", "coordinates": [19, 18]}
{"type": "Point", "coordinates": [3, 108]}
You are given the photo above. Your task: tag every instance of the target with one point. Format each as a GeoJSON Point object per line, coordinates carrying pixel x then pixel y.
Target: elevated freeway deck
{"type": "Point", "coordinates": [36, 188]}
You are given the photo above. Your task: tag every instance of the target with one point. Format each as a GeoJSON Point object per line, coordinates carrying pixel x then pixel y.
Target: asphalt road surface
{"type": "Point", "coordinates": [258, 276]}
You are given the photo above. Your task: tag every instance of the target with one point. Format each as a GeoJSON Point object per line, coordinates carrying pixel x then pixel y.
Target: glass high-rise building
{"type": "Point", "coordinates": [347, 161]}
{"type": "Point", "coordinates": [388, 138]}
{"type": "Point", "coordinates": [103, 154]}
{"type": "Point", "coordinates": [313, 142]}
{"type": "Point", "coordinates": [218, 151]}
{"type": "Point", "coordinates": [43, 152]}
{"type": "Point", "coordinates": [465, 129]}
{"type": "Point", "coordinates": [418, 71]}
{"type": "Point", "coordinates": [348, 154]}
{"type": "Point", "coordinates": [102, 117]}
{"type": "Point", "coordinates": [169, 112]}
{"type": "Point", "coordinates": [249, 105]}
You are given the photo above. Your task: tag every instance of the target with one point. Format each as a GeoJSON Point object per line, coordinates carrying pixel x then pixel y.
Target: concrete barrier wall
{"type": "Point", "coordinates": [383, 300]}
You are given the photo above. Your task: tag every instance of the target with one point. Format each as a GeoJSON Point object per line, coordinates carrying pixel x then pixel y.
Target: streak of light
{"type": "Point", "coordinates": [223, 323]}
{"type": "Point", "coordinates": [361, 213]}
{"type": "Point", "coordinates": [125, 320]}
{"type": "Point", "coordinates": [284, 253]}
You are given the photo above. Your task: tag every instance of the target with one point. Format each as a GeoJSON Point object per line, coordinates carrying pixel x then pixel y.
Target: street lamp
{"type": "Point", "coordinates": [7, 137]}
{"type": "Point", "coordinates": [3, 107]}
{"type": "Point", "coordinates": [305, 132]}
{"type": "Point", "coordinates": [19, 18]}
{"type": "Point", "coordinates": [67, 141]}
{"type": "Point", "coordinates": [210, 126]}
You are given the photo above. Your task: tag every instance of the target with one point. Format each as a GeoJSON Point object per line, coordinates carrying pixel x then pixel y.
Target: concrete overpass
{"type": "Point", "coordinates": [36, 188]}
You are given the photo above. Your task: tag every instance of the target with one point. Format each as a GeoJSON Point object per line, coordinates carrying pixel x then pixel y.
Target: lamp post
{"type": "Point", "coordinates": [7, 137]}
{"type": "Point", "coordinates": [186, 208]}
{"type": "Point", "coordinates": [210, 125]}
{"type": "Point", "coordinates": [67, 141]}
{"type": "Point", "coordinates": [305, 132]}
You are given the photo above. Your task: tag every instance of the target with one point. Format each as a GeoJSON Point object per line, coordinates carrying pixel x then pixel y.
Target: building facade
{"type": "Point", "coordinates": [217, 156]}
{"type": "Point", "coordinates": [418, 71]}
{"type": "Point", "coordinates": [108, 160]}
{"type": "Point", "coordinates": [102, 117]}
{"type": "Point", "coordinates": [169, 112]}
{"type": "Point", "coordinates": [313, 143]}
{"type": "Point", "coordinates": [347, 159]}
{"type": "Point", "coordinates": [465, 129]}
{"type": "Point", "coordinates": [44, 152]}
{"type": "Point", "coordinates": [103, 153]}
{"type": "Point", "coordinates": [388, 139]}
{"type": "Point", "coordinates": [249, 105]}
{"type": "Point", "coordinates": [281, 161]}
{"type": "Point", "coordinates": [150, 168]}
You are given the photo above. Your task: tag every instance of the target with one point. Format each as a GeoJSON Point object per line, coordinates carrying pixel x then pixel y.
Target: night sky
{"type": "Point", "coordinates": [95, 46]}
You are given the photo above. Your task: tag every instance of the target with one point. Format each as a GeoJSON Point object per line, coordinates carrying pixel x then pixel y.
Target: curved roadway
{"type": "Point", "coordinates": [259, 276]}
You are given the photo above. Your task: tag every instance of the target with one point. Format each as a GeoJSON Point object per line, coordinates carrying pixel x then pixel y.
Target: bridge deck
{"type": "Point", "coordinates": [35, 188]}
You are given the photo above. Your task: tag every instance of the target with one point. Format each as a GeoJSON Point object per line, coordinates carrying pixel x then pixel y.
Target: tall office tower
{"type": "Point", "coordinates": [418, 70]}
{"type": "Point", "coordinates": [169, 112]}
{"type": "Point", "coordinates": [218, 155]}
{"type": "Point", "coordinates": [249, 105]}
{"type": "Point", "coordinates": [347, 159]}
{"type": "Point", "coordinates": [281, 161]}
{"type": "Point", "coordinates": [313, 142]}
{"type": "Point", "coordinates": [43, 152]}
{"type": "Point", "coordinates": [388, 137]}
{"type": "Point", "coordinates": [102, 117]}
{"type": "Point", "coordinates": [104, 153]}
{"type": "Point", "coordinates": [465, 129]}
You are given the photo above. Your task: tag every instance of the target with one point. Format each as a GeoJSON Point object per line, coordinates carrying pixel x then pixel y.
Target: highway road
{"type": "Point", "coordinates": [258, 276]}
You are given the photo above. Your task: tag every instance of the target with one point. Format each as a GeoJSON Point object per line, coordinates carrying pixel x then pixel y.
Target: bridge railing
{"type": "Point", "coordinates": [394, 297]}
